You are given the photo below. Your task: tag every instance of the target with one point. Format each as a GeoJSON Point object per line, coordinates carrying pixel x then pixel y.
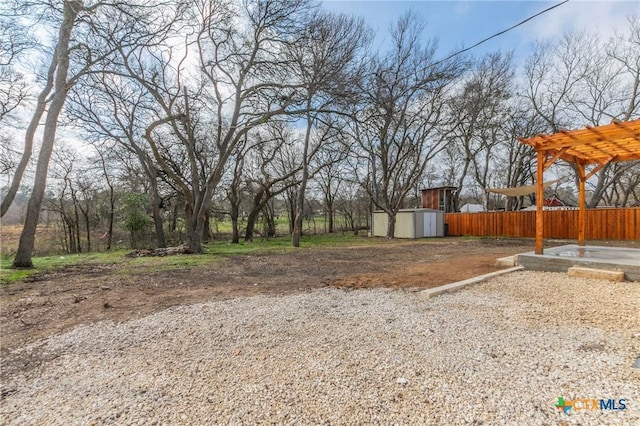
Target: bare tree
{"type": "Point", "coordinates": [243, 68]}
{"type": "Point", "coordinates": [56, 80]}
{"type": "Point", "coordinates": [14, 41]}
{"type": "Point", "coordinates": [272, 171]}
{"type": "Point", "coordinates": [553, 72]}
{"type": "Point", "coordinates": [398, 124]}
{"type": "Point", "coordinates": [478, 115]}
{"type": "Point", "coordinates": [87, 38]}
{"type": "Point", "coordinates": [353, 204]}
{"type": "Point", "coordinates": [520, 158]}
{"type": "Point", "coordinates": [9, 156]}
{"type": "Point", "coordinates": [110, 109]}
{"type": "Point", "coordinates": [109, 181]}
{"type": "Point", "coordinates": [326, 57]}
{"type": "Point", "coordinates": [234, 189]}
{"type": "Point", "coordinates": [623, 51]}
{"type": "Point", "coordinates": [330, 166]}
{"type": "Point", "coordinates": [66, 204]}
{"type": "Point", "coordinates": [582, 80]}
{"type": "Point", "coordinates": [78, 188]}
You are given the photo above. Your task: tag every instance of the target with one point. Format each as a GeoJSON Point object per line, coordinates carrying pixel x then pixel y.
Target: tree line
{"type": "Point", "coordinates": [206, 107]}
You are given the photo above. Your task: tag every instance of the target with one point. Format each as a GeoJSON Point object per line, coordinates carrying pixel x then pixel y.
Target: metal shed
{"type": "Point", "coordinates": [410, 223]}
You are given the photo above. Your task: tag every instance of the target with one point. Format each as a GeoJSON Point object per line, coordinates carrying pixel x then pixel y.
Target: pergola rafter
{"type": "Point", "coordinates": [599, 146]}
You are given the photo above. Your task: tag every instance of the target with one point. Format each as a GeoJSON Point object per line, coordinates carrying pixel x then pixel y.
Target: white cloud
{"type": "Point", "coordinates": [603, 17]}
{"type": "Point", "coordinates": [462, 8]}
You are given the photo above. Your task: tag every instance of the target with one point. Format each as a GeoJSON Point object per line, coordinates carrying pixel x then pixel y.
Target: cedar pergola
{"type": "Point", "coordinates": [598, 146]}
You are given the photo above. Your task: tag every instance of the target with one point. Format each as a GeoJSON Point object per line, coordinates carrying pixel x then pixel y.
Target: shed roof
{"type": "Point", "coordinates": [618, 141]}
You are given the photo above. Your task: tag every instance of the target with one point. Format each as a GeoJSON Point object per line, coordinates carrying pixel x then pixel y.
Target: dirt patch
{"type": "Point", "coordinates": [423, 275]}
{"type": "Point", "coordinates": [58, 300]}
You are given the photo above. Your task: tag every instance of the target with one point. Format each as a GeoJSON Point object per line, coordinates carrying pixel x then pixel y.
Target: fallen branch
{"type": "Point", "coordinates": [168, 251]}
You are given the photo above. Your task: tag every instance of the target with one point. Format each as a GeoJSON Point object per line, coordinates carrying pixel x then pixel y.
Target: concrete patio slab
{"type": "Point", "coordinates": [560, 259]}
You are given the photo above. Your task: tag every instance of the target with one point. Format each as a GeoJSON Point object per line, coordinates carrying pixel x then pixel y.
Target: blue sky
{"type": "Point", "coordinates": [458, 24]}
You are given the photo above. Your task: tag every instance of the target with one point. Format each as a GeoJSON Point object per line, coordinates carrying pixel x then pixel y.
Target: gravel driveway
{"type": "Point", "coordinates": [497, 353]}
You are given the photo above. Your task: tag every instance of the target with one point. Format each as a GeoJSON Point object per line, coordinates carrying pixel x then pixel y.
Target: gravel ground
{"type": "Point", "coordinates": [497, 353]}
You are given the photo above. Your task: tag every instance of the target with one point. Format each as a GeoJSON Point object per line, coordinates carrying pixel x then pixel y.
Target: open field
{"type": "Point", "coordinates": [264, 333]}
{"type": "Point", "coordinates": [50, 239]}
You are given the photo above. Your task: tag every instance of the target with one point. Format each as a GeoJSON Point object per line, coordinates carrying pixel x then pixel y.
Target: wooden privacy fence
{"type": "Point", "coordinates": [600, 224]}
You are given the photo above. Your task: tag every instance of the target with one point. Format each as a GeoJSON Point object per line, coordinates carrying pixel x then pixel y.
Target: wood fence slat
{"type": "Point", "coordinates": [600, 224]}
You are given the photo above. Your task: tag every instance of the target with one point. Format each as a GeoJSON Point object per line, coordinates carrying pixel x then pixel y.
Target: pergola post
{"type": "Point", "coordinates": [540, 201]}
{"type": "Point", "coordinates": [581, 203]}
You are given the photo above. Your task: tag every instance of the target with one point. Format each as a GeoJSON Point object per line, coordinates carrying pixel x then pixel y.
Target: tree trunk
{"type": "Point", "coordinates": [88, 230]}
{"type": "Point", "coordinates": [112, 213]}
{"type": "Point", "coordinates": [349, 222]}
{"type": "Point", "coordinates": [235, 231]}
{"type": "Point", "coordinates": [206, 229]}
{"type": "Point", "coordinates": [63, 220]}
{"type": "Point", "coordinates": [270, 220]}
{"type": "Point", "coordinates": [256, 206]}
{"type": "Point", "coordinates": [73, 248]}
{"type": "Point", "coordinates": [161, 242]}
{"type": "Point", "coordinates": [234, 213]}
{"type": "Point", "coordinates": [69, 241]}
{"type": "Point", "coordinates": [112, 201]}
{"type": "Point", "coordinates": [27, 238]}
{"type": "Point", "coordinates": [77, 222]}
{"type": "Point", "coordinates": [251, 225]}
{"type": "Point", "coordinates": [174, 219]}
{"type": "Point", "coordinates": [291, 209]}
{"type": "Point", "coordinates": [234, 195]}
{"type": "Point", "coordinates": [297, 222]}
{"type": "Point", "coordinates": [193, 239]}
{"type": "Point", "coordinates": [194, 229]}
{"type": "Point", "coordinates": [234, 200]}
{"type": "Point", "coordinates": [391, 225]}
{"type": "Point", "coordinates": [195, 244]}
{"type": "Point", "coordinates": [330, 213]}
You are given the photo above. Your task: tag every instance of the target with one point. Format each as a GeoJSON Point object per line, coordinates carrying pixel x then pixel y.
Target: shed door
{"type": "Point", "coordinates": [430, 224]}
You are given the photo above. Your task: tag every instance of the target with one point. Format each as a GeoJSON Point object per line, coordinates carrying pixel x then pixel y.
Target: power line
{"type": "Point", "coordinates": [500, 33]}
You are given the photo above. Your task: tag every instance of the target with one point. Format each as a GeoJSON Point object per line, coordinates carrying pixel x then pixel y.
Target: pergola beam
{"type": "Point", "coordinates": [597, 168]}
{"type": "Point", "coordinates": [553, 159]}
{"type": "Point", "coordinates": [592, 144]}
